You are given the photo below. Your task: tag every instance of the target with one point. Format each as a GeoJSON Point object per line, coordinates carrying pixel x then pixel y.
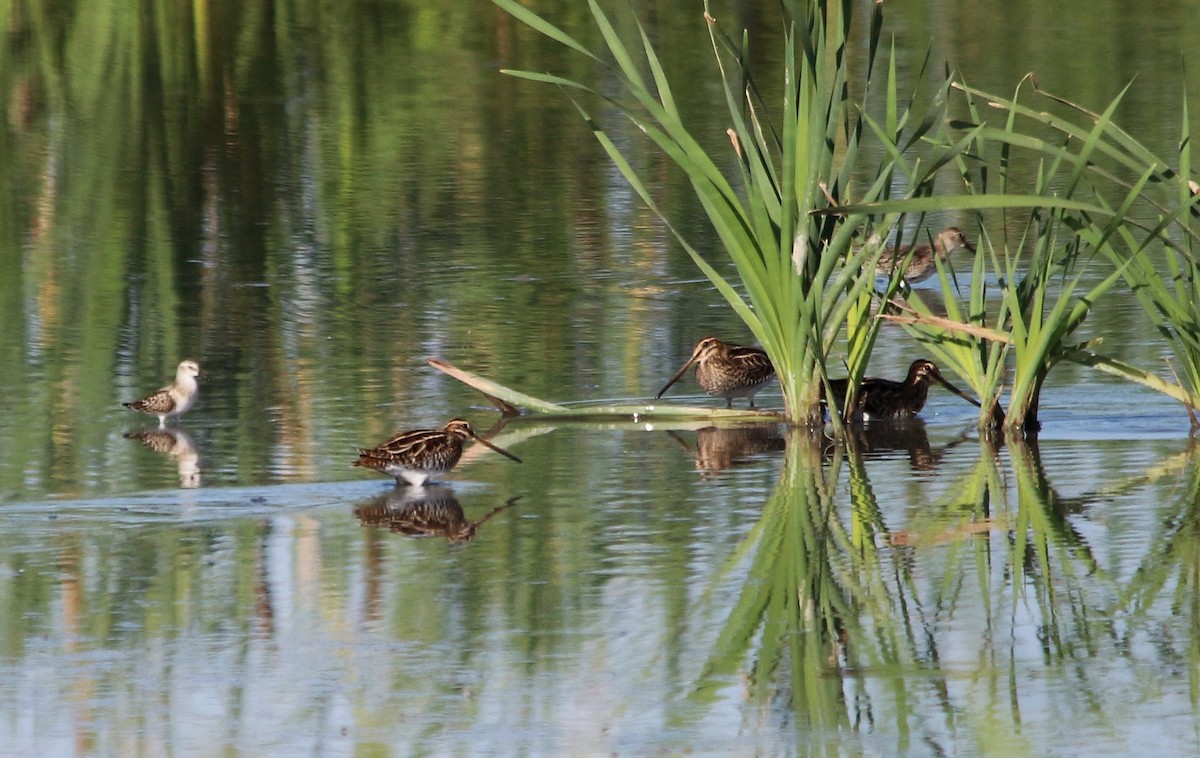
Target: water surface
{"type": "Point", "coordinates": [310, 202]}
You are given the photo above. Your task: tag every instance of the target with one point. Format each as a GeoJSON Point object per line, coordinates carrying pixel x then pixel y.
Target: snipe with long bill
{"type": "Point", "coordinates": [923, 262]}
{"type": "Point", "coordinates": [885, 398]}
{"type": "Point", "coordinates": [421, 454]}
{"type": "Point", "coordinates": [725, 370]}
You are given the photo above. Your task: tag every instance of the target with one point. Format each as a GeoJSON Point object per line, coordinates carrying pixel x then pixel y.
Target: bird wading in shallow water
{"type": "Point", "coordinates": [173, 400]}
{"type": "Point", "coordinates": [418, 455]}
{"type": "Point", "coordinates": [884, 398]}
{"type": "Point", "coordinates": [727, 371]}
{"type": "Point", "coordinates": [922, 264]}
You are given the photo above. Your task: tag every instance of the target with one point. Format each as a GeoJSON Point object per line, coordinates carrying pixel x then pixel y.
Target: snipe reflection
{"type": "Point", "coordinates": [886, 438]}
{"type": "Point", "coordinates": [720, 448]}
{"type": "Point", "coordinates": [424, 512]}
{"type": "Point", "coordinates": [176, 443]}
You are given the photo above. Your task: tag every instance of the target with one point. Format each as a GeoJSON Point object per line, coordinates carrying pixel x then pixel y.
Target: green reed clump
{"type": "Point", "coordinates": [1093, 190]}
{"type": "Point", "coordinates": [804, 239]}
{"type": "Point", "coordinates": [1167, 286]}
{"type": "Point", "coordinates": [805, 279]}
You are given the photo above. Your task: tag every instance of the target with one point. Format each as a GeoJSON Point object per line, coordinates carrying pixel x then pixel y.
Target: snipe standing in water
{"type": "Point", "coordinates": [885, 398]}
{"type": "Point", "coordinates": [922, 264]}
{"type": "Point", "coordinates": [422, 453]}
{"type": "Point", "coordinates": [726, 370]}
{"type": "Point", "coordinates": [175, 399]}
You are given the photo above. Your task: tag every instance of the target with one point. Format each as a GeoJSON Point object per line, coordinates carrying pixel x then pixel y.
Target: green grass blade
{"type": "Point", "coordinates": [539, 24]}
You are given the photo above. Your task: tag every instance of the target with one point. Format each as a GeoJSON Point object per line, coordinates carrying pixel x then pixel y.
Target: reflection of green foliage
{"type": "Point", "coordinates": [841, 611]}
{"type": "Point", "coordinates": [1168, 579]}
{"type": "Point", "coordinates": [1050, 558]}
{"type": "Point", "coordinates": [791, 607]}
{"type": "Point", "coordinates": [258, 186]}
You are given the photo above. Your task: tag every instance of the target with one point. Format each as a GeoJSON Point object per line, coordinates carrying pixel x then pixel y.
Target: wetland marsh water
{"type": "Point", "coordinates": [310, 204]}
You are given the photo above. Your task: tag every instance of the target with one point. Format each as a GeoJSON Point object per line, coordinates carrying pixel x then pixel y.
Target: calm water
{"type": "Point", "coordinates": [312, 200]}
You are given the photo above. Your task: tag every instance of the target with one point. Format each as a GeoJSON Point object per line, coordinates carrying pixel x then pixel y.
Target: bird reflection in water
{"type": "Point", "coordinates": [886, 437]}
{"type": "Point", "coordinates": [719, 448]}
{"type": "Point", "coordinates": [424, 512]}
{"type": "Point", "coordinates": [176, 443]}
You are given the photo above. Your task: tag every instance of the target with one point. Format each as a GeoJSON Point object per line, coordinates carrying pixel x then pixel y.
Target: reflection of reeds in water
{"type": "Point", "coordinates": [832, 593]}
{"type": "Point", "coordinates": [1009, 538]}
{"type": "Point", "coordinates": [1168, 578]}
{"type": "Point", "coordinates": [423, 512]}
{"type": "Point", "coordinates": [792, 606]}
{"type": "Point", "coordinates": [720, 448]}
{"type": "Point", "coordinates": [174, 442]}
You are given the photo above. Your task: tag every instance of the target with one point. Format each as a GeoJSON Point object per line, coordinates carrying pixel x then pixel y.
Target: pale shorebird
{"type": "Point", "coordinates": [728, 371]}
{"type": "Point", "coordinates": [173, 400]}
{"type": "Point", "coordinates": [422, 453]}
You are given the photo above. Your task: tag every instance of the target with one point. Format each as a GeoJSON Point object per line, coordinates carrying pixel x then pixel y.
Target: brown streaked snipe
{"type": "Point", "coordinates": [418, 455]}
{"type": "Point", "coordinates": [728, 371]}
{"type": "Point", "coordinates": [885, 398]}
{"type": "Point", "coordinates": [175, 399]}
{"type": "Point", "coordinates": [922, 264]}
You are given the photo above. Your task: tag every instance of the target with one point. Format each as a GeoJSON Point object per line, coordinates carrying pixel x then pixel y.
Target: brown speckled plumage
{"type": "Point", "coordinates": [175, 399]}
{"type": "Point", "coordinates": [922, 264]}
{"type": "Point", "coordinates": [418, 455]}
{"type": "Point", "coordinates": [728, 371]}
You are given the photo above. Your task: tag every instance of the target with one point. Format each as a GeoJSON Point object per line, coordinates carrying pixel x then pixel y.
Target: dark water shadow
{"type": "Point", "coordinates": [424, 512]}
{"type": "Point", "coordinates": [886, 438]}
